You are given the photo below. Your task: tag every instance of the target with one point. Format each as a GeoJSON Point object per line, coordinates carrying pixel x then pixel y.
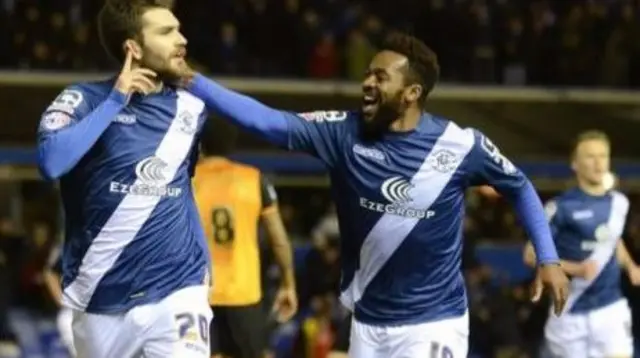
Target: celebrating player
{"type": "Point", "coordinates": [135, 264]}
{"type": "Point", "coordinates": [398, 177]}
{"type": "Point", "coordinates": [232, 198]}
{"type": "Point", "coordinates": [587, 223]}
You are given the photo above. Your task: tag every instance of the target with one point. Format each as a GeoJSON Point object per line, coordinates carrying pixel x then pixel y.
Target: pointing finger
{"type": "Point", "coordinates": [128, 59]}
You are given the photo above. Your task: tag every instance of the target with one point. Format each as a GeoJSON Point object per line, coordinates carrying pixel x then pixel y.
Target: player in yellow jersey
{"type": "Point", "coordinates": [232, 199]}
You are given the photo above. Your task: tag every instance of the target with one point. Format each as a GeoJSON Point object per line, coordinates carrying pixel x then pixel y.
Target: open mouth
{"type": "Point", "coordinates": [181, 54]}
{"type": "Point", "coordinates": [369, 103]}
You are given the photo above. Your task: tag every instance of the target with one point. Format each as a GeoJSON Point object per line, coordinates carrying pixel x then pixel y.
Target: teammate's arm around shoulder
{"type": "Point", "coordinates": [315, 132]}
{"type": "Point", "coordinates": [286, 301]}
{"type": "Point", "coordinates": [71, 125]}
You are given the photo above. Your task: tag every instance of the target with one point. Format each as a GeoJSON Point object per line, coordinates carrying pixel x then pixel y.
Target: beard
{"type": "Point", "coordinates": [388, 112]}
{"type": "Point", "coordinates": [161, 66]}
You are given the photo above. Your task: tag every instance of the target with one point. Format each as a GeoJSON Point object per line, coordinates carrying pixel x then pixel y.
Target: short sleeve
{"type": "Point", "coordinates": [490, 167]}
{"type": "Point", "coordinates": [69, 107]}
{"type": "Point", "coordinates": [319, 133]}
{"type": "Point", "coordinates": [268, 194]}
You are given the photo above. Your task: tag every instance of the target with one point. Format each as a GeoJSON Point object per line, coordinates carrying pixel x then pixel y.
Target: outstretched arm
{"type": "Point", "coordinates": [244, 111]}
{"type": "Point", "coordinates": [318, 133]}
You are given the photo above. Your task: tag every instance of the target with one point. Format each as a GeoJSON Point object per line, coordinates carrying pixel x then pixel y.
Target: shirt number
{"type": "Point", "coordinates": [495, 155]}
{"type": "Point", "coordinates": [223, 226]}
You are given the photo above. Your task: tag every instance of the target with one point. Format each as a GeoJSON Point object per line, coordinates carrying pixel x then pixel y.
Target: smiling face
{"type": "Point", "coordinates": [386, 91]}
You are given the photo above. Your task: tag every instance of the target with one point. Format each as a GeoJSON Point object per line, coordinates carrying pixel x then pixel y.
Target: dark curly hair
{"type": "Point", "coordinates": [119, 20]}
{"type": "Point", "coordinates": [423, 68]}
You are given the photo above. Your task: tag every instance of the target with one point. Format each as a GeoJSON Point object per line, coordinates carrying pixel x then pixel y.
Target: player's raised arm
{"type": "Point", "coordinates": [490, 167]}
{"type": "Point", "coordinates": [316, 133]}
{"type": "Point", "coordinates": [70, 126]}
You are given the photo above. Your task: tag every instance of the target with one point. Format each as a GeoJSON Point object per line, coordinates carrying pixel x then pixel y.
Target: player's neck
{"type": "Point", "coordinates": [594, 190]}
{"type": "Point", "coordinates": [159, 85]}
{"type": "Point", "coordinates": [408, 121]}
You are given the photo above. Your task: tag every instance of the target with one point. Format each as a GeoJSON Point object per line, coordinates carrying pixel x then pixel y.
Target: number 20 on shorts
{"type": "Point", "coordinates": [440, 351]}
{"type": "Point", "coordinates": [188, 321]}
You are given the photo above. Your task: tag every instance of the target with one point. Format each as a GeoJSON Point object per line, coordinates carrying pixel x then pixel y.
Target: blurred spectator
{"type": "Point", "coordinates": [483, 50]}
{"type": "Point", "coordinates": [516, 42]}
{"type": "Point", "coordinates": [323, 63]}
{"type": "Point", "coordinates": [317, 331]}
{"type": "Point", "coordinates": [12, 255]}
{"type": "Point", "coordinates": [359, 52]}
{"type": "Point", "coordinates": [327, 228]}
{"type": "Point", "coordinates": [322, 270]}
{"type": "Point", "coordinates": [228, 55]}
{"type": "Point", "coordinates": [514, 53]}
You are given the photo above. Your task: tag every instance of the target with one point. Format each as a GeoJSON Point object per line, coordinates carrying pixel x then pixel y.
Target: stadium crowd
{"type": "Point", "coordinates": [593, 42]}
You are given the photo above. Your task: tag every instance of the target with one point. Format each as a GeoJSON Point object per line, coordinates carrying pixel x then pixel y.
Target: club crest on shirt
{"type": "Point", "coordinates": [188, 124]}
{"type": "Point", "coordinates": [55, 120]}
{"type": "Point", "coordinates": [602, 233]}
{"type": "Point", "coordinates": [444, 161]}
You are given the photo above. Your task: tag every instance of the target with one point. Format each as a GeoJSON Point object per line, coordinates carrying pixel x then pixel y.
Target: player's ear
{"type": "Point", "coordinates": [413, 93]}
{"type": "Point", "coordinates": [133, 46]}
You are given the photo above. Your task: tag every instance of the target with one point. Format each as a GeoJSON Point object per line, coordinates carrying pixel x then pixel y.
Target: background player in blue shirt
{"type": "Point", "coordinates": [134, 262]}
{"type": "Point", "coordinates": [398, 178]}
{"type": "Point", "coordinates": [587, 223]}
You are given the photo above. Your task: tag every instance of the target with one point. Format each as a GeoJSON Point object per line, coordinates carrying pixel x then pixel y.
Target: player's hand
{"type": "Point", "coordinates": [285, 305]}
{"type": "Point", "coordinates": [588, 269]}
{"type": "Point", "coordinates": [634, 275]}
{"type": "Point", "coordinates": [553, 279]}
{"type": "Point", "coordinates": [132, 80]}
